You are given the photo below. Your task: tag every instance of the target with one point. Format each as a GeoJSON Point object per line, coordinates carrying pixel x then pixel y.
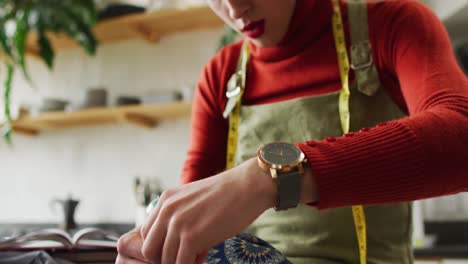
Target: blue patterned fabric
{"type": "Point", "coordinates": [245, 249]}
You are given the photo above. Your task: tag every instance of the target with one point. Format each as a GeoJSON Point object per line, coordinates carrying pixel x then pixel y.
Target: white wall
{"type": "Point", "coordinates": [446, 8]}
{"type": "Point", "coordinates": [98, 164]}
{"type": "Point", "coordinates": [454, 14]}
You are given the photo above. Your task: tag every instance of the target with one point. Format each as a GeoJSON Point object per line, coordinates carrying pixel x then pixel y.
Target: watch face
{"type": "Point", "coordinates": [281, 154]}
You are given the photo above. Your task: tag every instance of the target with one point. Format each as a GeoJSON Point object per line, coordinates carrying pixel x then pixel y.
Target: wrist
{"type": "Point", "coordinates": [261, 181]}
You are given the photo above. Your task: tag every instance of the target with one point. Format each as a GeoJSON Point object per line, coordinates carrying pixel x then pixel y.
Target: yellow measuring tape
{"type": "Point", "coordinates": [236, 87]}
{"type": "Point", "coordinates": [234, 92]}
{"type": "Point", "coordinates": [343, 61]}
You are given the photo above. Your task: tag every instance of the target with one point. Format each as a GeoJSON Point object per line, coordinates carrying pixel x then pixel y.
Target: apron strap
{"type": "Point", "coordinates": [367, 77]}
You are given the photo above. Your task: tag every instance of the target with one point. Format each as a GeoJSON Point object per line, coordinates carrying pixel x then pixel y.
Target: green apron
{"type": "Point", "coordinates": [305, 234]}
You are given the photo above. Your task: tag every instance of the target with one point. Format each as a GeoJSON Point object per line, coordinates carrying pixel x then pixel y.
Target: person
{"type": "Point", "coordinates": [409, 136]}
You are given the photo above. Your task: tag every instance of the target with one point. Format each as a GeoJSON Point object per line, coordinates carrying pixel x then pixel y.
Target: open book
{"type": "Point", "coordinates": [56, 238]}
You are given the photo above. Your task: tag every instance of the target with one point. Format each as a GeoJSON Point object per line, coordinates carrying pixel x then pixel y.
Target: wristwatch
{"type": "Point", "coordinates": [284, 161]}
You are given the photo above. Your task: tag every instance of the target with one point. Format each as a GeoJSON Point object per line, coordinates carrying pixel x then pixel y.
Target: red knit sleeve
{"type": "Point", "coordinates": [423, 155]}
{"type": "Point", "coordinates": [206, 154]}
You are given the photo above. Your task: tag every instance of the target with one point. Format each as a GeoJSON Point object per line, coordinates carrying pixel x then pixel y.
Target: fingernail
{"type": "Point", "coordinates": [152, 205]}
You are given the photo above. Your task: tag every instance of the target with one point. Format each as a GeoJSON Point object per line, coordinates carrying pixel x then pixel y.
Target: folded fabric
{"type": "Point", "coordinates": [245, 249]}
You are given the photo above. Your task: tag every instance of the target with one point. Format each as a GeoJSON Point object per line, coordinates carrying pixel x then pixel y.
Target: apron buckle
{"type": "Point", "coordinates": [234, 85]}
{"type": "Point", "coordinates": [362, 56]}
{"type": "Point", "coordinates": [234, 91]}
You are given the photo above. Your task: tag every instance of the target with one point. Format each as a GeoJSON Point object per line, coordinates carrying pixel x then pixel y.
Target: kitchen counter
{"type": "Point", "coordinates": [443, 251]}
{"type": "Point", "coordinates": [451, 242]}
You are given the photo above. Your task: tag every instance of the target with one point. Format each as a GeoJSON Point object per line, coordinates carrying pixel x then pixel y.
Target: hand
{"type": "Point", "coordinates": [190, 219]}
{"type": "Point", "coordinates": [129, 248]}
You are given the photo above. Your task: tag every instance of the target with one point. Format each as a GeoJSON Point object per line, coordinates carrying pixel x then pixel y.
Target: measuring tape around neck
{"type": "Point", "coordinates": [343, 61]}
{"type": "Point", "coordinates": [236, 86]}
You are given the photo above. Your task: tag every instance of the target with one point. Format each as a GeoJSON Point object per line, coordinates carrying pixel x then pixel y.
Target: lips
{"type": "Point", "coordinates": [254, 29]}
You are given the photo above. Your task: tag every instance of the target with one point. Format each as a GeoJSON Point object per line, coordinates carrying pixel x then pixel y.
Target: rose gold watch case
{"type": "Point", "coordinates": [273, 168]}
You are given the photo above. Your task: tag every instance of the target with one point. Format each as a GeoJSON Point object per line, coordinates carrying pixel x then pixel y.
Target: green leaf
{"type": "Point", "coordinates": [8, 9]}
{"type": "Point", "coordinates": [6, 47]}
{"type": "Point", "coordinates": [19, 39]}
{"type": "Point", "coordinates": [78, 30]}
{"type": "Point", "coordinates": [47, 19]}
{"type": "Point", "coordinates": [85, 10]}
{"type": "Point", "coordinates": [7, 127]}
{"type": "Point", "coordinates": [75, 18]}
{"type": "Point", "coordinates": [45, 49]}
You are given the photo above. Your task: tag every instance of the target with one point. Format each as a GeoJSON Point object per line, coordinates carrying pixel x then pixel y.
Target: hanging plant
{"type": "Point", "coordinates": [18, 18]}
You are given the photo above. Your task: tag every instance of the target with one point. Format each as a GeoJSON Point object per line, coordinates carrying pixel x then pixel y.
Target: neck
{"type": "Point", "coordinates": [310, 20]}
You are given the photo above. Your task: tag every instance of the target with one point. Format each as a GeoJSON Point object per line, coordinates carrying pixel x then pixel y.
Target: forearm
{"type": "Point", "coordinates": [413, 158]}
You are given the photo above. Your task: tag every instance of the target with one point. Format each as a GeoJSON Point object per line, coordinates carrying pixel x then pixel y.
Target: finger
{"type": "Point", "coordinates": [154, 241]}
{"type": "Point", "coordinates": [149, 222]}
{"type": "Point", "coordinates": [153, 215]}
{"type": "Point", "coordinates": [152, 205]}
{"type": "Point", "coordinates": [124, 260]}
{"type": "Point", "coordinates": [186, 254]}
{"type": "Point", "coordinates": [130, 245]}
{"type": "Point", "coordinates": [201, 258]}
{"type": "Point", "coordinates": [171, 246]}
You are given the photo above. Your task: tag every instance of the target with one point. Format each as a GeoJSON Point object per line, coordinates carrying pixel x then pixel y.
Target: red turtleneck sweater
{"type": "Point", "coordinates": [422, 155]}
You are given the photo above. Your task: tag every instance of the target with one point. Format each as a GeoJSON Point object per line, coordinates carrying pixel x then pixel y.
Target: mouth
{"type": "Point", "coordinates": [254, 29]}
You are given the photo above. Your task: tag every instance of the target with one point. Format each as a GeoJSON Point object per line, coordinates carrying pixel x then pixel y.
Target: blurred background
{"type": "Point", "coordinates": [117, 155]}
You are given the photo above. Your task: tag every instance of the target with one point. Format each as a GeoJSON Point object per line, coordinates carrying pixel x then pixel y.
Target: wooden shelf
{"type": "Point", "coordinates": [151, 26]}
{"type": "Point", "coordinates": [146, 116]}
